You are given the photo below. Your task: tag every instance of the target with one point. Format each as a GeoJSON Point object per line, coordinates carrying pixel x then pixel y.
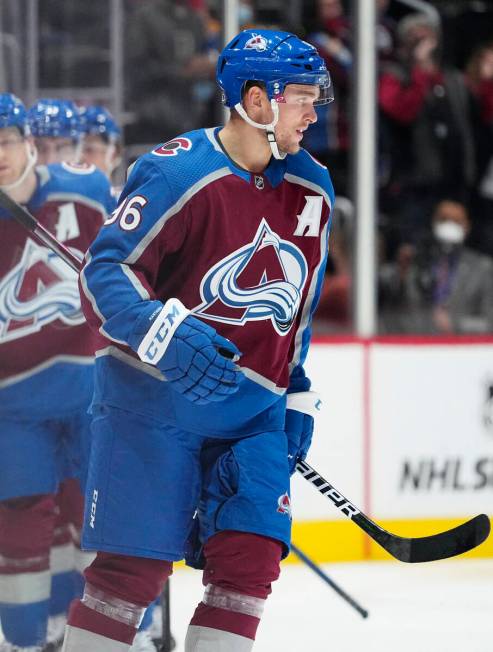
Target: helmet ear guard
{"type": "Point", "coordinates": [276, 59]}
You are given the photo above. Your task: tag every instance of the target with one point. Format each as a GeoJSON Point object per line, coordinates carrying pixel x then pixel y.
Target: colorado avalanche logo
{"type": "Point", "coordinates": [173, 147]}
{"type": "Point", "coordinates": [262, 280]}
{"type": "Point", "coordinates": [40, 289]}
{"type": "Point", "coordinates": [257, 42]}
{"type": "Point", "coordinates": [284, 505]}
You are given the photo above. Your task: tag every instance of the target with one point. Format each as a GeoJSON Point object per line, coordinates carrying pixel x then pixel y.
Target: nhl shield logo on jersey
{"type": "Point", "coordinates": [40, 289]}
{"type": "Point", "coordinates": [259, 182]}
{"type": "Point", "coordinates": [284, 505]}
{"type": "Point", "coordinates": [172, 147]}
{"type": "Point", "coordinates": [262, 280]}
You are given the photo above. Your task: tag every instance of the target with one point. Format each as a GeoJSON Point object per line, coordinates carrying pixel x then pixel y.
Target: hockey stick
{"type": "Point", "coordinates": [167, 641]}
{"type": "Point", "coordinates": [29, 222]}
{"type": "Point", "coordinates": [316, 569]}
{"type": "Point", "coordinates": [446, 544]}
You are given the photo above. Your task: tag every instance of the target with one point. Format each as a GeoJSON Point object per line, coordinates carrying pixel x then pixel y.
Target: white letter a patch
{"type": "Point", "coordinates": [309, 218]}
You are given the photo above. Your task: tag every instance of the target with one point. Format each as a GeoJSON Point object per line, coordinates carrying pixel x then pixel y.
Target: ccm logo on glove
{"type": "Point", "coordinates": [155, 342]}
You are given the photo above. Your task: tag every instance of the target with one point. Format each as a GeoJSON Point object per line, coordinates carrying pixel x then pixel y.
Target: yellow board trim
{"type": "Point", "coordinates": [332, 541]}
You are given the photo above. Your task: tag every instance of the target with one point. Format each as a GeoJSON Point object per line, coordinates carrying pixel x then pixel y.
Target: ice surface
{"type": "Point", "coordinates": [444, 606]}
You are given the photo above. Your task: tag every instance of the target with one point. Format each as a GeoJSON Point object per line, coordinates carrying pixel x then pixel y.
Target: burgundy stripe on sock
{"type": "Point", "coordinates": [92, 621]}
{"type": "Point", "coordinates": [227, 621]}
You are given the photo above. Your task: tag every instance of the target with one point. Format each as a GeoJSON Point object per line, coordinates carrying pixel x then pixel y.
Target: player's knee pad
{"type": "Point", "coordinates": [242, 562]}
{"type": "Point", "coordinates": [136, 580]}
{"type": "Point", "coordinates": [26, 526]}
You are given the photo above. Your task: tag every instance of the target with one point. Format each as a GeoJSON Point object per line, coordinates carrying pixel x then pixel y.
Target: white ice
{"type": "Point", "coordinates": [444, 606]}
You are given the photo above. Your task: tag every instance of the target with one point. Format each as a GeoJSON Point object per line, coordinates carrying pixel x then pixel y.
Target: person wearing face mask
{"type": "Point", "coordinates": [441, 286]}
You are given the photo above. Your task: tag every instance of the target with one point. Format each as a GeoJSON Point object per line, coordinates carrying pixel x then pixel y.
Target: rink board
{"type": "Point", "coordinates": [406, 433]}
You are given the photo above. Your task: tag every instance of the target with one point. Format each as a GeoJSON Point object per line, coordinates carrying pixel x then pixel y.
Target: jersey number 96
{"type": "Point", "coordinates": [129, 214]}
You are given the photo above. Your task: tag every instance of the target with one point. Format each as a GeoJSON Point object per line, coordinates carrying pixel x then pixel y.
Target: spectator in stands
{"type": "Point", "coordinates": [328, 138]}
{"type": "Point", "coordinates": [329, 29]}
{"type": "Point", "coordinates": [439, 287]}
{"type": "Point", "coordinates": [385, 34]}
{"type": "Point", "coordinates": [334, 311]}
{"type": "Point", "coordinates": [427, 128]}
{"type": "Point", "coordinates": [479, 78]}
{"type": "Point", "coordinates": [166, 42]}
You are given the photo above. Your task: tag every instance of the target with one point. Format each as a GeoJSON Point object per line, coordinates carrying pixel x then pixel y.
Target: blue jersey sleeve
{"type": "Point", "coordinates": [122, 263]}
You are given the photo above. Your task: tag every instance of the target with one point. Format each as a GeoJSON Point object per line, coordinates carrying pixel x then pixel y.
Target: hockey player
{"type": "Point", "coordinates": [55, 125]}
{"type": "Point", "coordinates": [46, 382]}
{"type": "Point", "coordinates": [56, 128]}
{"type": "Point", "coordinates": [101, 142]}
{"type": "Point", "coordinates": [201, 287]}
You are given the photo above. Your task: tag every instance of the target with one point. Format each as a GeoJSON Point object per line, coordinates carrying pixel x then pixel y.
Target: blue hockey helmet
{"type": "Point", "coordinates": [13, 113]}
{"type": "Point", "coordinates": [274, 58]}
{"type": "Point", "coordinates": [97, 120]}
{"type": "Point", "coordinates": [54, 119]}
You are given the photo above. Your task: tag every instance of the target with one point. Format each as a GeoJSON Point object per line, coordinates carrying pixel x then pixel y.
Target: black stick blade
{"type": "Point", "coordinates": [446, 544]}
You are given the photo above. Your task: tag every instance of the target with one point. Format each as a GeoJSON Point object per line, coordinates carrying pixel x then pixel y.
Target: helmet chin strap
{"type": "Point", "coordinates": [110, 162]}
{"type": "Point", "coordinates": [269, 128]}
{"type": "Point", "coordinates": [32, 157]}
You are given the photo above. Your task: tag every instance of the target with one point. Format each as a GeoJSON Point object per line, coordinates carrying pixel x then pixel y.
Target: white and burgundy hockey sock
{"type": "Point", "coordinates": [240, 567]}
{"type": "Point", "coordinates": [26, 533]}
{"type": "Point", "coordinates": [225, 621]}
{"type": "Point", "coordinates": [118, 589]}
{"type": "Point", "coordinates": [101, 623]}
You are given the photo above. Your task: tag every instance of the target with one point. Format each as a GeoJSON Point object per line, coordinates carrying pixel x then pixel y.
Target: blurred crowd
{"type": "Point", "coordinates": [435, 172]}
{"type": "Point", "coordinates": [435, 141]}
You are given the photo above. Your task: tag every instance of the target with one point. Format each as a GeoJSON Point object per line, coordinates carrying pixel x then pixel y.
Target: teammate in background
{"type": "Point", "coordinates": [202, 287]}
{"type": "Point", "coordinates": [101, 144]}
{"type": "Point", "coordinates": [46, 383]}
{"type": "Point", "coordinates": [56, 128]}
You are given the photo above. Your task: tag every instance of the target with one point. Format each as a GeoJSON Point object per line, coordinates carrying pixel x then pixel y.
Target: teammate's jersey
{"type": "Point", "coordinates": [46, 347]}
{"type": "Point", "coordinates": [245, 252]}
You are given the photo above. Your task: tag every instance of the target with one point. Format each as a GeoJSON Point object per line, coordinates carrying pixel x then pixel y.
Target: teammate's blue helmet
{"type": "Point", "coordinates": [54, 119]}
{"type": "Point", "coordinates": [97, 120]}
{"type": "Point", "coordinates": [13, 113]}
{"type": "Point", "coordinates": [274, 58]}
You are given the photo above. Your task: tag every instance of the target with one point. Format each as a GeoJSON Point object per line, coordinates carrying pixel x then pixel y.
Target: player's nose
{"type": "Point", "coordinates": [311, 116]}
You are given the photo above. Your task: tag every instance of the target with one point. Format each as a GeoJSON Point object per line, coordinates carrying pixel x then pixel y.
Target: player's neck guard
{"type": "Point", "coordinates": [269, 128]}
{"type": "Point", "coordinates": [32, 157]}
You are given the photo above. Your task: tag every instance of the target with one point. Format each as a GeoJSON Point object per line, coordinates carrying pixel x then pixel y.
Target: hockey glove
{"type": "Point", "coordinates": [301, 407]}
{"type": "Point", "coordinates": [196, 361]}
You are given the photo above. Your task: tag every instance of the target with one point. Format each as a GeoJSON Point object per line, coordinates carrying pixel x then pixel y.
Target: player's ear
{"type": "Point", "coordinates": [255, 100]}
